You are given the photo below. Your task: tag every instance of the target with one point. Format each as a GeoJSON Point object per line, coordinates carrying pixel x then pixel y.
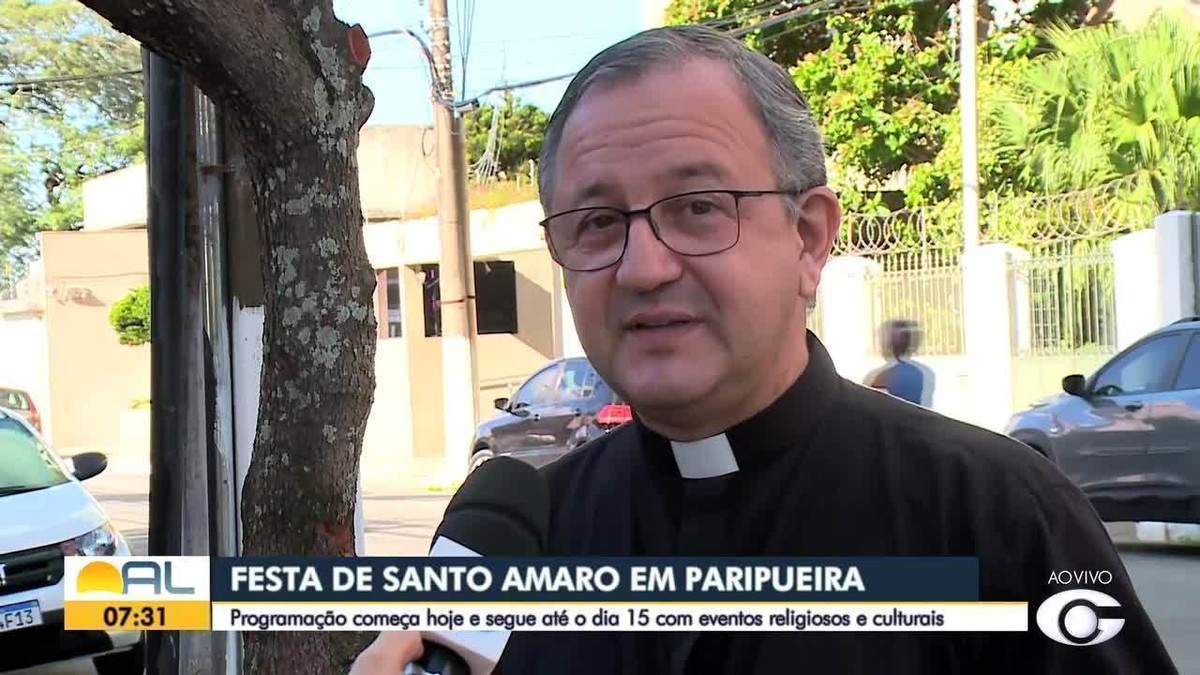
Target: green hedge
{"type": "Point", "coordinates": [130, 317]}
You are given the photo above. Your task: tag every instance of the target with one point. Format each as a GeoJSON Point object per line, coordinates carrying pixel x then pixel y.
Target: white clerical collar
{"type": "Point", "coordinates": [705, 458]}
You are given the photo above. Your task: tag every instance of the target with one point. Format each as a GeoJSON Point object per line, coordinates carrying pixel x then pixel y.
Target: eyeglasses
{"type": "Point", "coordinates": [691, 224]}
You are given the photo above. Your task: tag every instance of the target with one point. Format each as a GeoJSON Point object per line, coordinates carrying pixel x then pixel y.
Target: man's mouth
{"type": "Point", "coordinates": [659, 320]}
{"type": "Point", "coordinates": [665, 323]}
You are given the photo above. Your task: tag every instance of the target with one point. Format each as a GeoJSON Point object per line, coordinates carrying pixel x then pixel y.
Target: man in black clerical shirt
{"type": "Point", "coordinates": [685, 190]}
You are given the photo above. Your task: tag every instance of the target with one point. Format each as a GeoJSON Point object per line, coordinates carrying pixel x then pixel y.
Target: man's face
{"type": "Point", "coordinates": [671, 131]}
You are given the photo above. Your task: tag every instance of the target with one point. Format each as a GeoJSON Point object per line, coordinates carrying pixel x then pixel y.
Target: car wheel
{"type": "Point", "coordinates": [481, 455]}
{"type": "Point", "coordinates": [129, 662]}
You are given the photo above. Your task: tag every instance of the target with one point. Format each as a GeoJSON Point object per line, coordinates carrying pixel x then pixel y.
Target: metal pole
{"type": "Point", "coordinates": [456, 278]}
{"type": "Point", "coordinates": [968, 30]}
{"type": "Point", "coordinates": [223, 538]}
{"type": "Point", "coordinates": [167, 167]}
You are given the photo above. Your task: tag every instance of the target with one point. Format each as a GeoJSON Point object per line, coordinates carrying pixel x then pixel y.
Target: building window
{"type": "Point", "coordinates": [495, 298]}
{"type": "Point", "coordinates": [387, 303]}
{"type": "Point", "coordinates": [431, 296]}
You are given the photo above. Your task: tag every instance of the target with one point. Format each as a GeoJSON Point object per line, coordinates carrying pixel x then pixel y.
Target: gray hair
{"type": "Point", "coordinates": [799, 150]}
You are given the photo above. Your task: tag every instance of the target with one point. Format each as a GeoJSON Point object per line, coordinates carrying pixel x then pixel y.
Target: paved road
{"type": "Point", "coordinates": [402, 524]}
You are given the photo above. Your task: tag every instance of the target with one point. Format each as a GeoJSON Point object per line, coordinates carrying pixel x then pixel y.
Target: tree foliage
{"type": "Point", "coordinates": [1110, 103]}
{"type": "Point", "coordinates": [514, 130]}
{"type": "Point", "coordinates": [130, 317]}
{"type": "Point", "coordinates": [882, 76]}
{"type": "Point", "coordinates": [70, 109]}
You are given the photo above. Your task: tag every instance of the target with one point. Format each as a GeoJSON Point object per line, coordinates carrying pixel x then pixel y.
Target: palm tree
{"type": "Point", "coordinates": [1110, 103]}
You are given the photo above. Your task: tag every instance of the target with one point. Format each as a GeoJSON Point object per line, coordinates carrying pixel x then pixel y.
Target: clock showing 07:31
{"type": "Point", "coordinates": [142, 617]}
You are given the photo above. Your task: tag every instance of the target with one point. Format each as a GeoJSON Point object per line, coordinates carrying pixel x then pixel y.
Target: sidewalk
{"type": "Point", "coordinates": [396, 523]}
{"type": "Point", "coordinates": [375, 480]}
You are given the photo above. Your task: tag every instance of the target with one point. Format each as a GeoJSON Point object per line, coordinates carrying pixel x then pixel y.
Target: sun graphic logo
{"type": "Point", "coordinates": [100, 576]}
{"type": "Point", "coordinates": [133, 578]}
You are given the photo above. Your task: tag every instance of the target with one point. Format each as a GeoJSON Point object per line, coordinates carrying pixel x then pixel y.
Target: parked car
{"type": "Point", "coordinates": [559, 408]}
{"type": "Point", "coordinates": [1129, 435]}
{"type": "Point", "coordinates": [47, 514]}
{"type": "Point", "coordinates": [21, 403]}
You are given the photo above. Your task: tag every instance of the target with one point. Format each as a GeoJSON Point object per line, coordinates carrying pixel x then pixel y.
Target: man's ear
{"type": "Point", "coordinates": [818, 220]}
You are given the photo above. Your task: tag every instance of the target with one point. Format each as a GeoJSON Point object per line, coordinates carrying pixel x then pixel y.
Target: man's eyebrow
{"type": "Point", "coordinates": [599, 189]}
{"type": "Point", "coordinates": [700, 169]}
{"type": "Point", "coordinates": [604, 190]}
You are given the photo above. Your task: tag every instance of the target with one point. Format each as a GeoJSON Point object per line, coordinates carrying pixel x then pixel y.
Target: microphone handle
{"type": "Point", "coordinates": [437, 660]}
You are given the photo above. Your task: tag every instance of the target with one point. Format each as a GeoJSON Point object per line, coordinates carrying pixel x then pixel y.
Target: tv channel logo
{"type": "Point", "coordinates": [179, 578]}
{"type": "Point", "coordinates": [1080, 617]}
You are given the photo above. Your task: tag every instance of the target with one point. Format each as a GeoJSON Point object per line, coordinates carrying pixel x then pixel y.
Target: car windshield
{"type": "Point", "coordinates": [26, 464]}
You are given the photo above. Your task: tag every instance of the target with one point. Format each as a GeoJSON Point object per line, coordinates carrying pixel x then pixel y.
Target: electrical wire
{"type": "Point", "coordinates": [792, 11]}
{"type": "Point", "coordinates": [466, 26]}
{"type": "Point", "coordinates": [465, 38]}
{"type": "Point", "coordinates": [68, 78]}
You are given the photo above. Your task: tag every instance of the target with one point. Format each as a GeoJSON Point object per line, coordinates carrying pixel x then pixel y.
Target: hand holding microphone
{"type": "Point", "coordinates": [502, 509]}
{"type": "Point", "coordinates": [389, 654]}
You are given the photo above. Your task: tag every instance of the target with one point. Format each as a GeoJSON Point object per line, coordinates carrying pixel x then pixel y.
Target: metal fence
{"type": "Point", "coordinates": [1064, 293]}
{"type": "Point", "coordinates": [816, 319]}
{"type": "Point", "coordinates": [1071, 304]}
{"type": "Point", "coordinates": [918, 271]}
{"type": "Point", "coordinates": [1065, 299]}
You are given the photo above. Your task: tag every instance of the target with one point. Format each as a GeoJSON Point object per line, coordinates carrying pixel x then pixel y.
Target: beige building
{"type": "Point", "coordinates": [516, 296]}
{"type": "Point", "coordinates": [87, 385]}
{"type": "Point", "coordinates": [60, 346]}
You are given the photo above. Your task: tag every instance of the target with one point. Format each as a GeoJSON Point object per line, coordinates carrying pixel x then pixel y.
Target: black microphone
{"type": "Point", "coordinates": [502, 509]}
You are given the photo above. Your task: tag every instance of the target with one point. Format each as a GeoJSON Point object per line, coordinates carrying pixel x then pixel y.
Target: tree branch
{"type": "Point", "coordinates": [281, 66]}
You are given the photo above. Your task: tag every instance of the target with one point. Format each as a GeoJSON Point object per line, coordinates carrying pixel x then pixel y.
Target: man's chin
{"type": "Point", "coordinates": [648, 390]}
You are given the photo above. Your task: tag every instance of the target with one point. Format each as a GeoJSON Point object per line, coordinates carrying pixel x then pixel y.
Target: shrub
{"type": "Point", "coordinates": [130, 316]}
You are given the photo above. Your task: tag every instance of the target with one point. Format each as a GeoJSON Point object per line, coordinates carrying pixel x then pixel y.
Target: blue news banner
{"type": "Point", "coordinates": [605, 594]}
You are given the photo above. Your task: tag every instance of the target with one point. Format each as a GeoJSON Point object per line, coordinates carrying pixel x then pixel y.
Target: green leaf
{"type": "Point", "coordinates": [68, 120]}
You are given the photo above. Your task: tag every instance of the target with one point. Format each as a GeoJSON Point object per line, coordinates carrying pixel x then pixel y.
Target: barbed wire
{"type": "Point", "coordinates": [1094, 214]}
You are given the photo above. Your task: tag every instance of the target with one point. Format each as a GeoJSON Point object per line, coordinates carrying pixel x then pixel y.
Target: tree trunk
{"type": "Point", "coordinates": [289, 74]}
{"type": "Point", "coordinates": [317, 382]}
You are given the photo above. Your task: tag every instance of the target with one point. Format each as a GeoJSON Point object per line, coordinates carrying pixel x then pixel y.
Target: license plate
{"type": "Point", "coordinates": [21, 615]}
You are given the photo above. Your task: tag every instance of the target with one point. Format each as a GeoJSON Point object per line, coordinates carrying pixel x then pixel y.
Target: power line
{"type": "Point", "coordinates": [68, 78]}
{"type": "Point", "coordinates": [121, 73]}
{"type": "Point", "coordinates": [797, 12]}
{"type": "Point", "coordinates": [441, 98]}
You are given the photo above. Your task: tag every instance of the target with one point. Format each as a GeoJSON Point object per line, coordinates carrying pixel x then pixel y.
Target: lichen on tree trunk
{"type": "Point", "coordinates": [289, 75]}
{"type": "Point", "coordinates": [319, 332]}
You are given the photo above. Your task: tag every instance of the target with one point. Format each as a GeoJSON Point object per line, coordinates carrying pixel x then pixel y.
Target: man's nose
{"type": "Point", "coordinates": [647, 263]}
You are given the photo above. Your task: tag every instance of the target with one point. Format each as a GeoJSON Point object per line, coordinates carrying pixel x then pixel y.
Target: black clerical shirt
{"type": "Point", "coordinates": [835, 469]}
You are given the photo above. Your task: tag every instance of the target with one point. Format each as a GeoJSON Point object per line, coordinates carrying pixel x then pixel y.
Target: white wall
{"type": "Point", "coordinates": [1178, 238]}
{"type": "Point", "coordinates": [388, 442]}
{"type": "Point", "coordinates": [1139, 304]}
{"type": "Point", "coordinates": [107, 202]}
{"type": "Point", "coordinates": [493, 232]}
{"type": "Point", "coordinates": [23, 339]}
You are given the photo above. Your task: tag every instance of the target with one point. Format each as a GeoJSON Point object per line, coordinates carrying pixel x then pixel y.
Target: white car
{"type": "Point", "coordinates": [46, 514]}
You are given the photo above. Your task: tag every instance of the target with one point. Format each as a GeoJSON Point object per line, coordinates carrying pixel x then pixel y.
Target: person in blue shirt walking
{"type": "Point", "coordinates": [902, 376]}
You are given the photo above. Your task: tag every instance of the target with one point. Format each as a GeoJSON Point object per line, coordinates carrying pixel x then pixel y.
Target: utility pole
{"type": "Point", "coordinates": [968, 40]}
{"type": "Point", "coordinates": [456, 274]}
{"type": "Point", "coordinates": [166, 231]}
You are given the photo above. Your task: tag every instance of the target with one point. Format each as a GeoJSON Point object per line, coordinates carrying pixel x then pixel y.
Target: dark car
{"type": "Point", "coordinates": [1129, 435]}
{"type": "Point", "coordinates": [559, 408]}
